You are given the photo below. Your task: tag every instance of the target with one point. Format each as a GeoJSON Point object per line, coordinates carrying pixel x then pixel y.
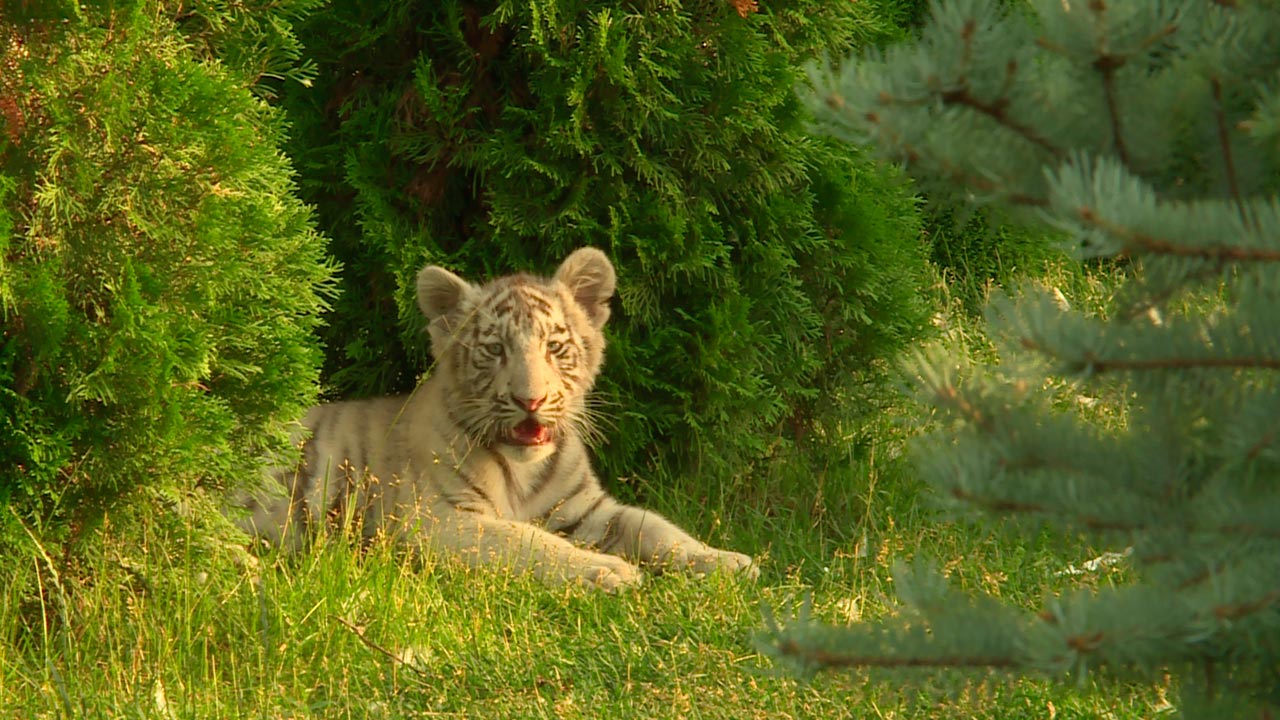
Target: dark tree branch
{"type": "Point", "coordinates": [1267, 440]}
{"type": "Point", "coordinates": [1022, 507]}
{"type": "Point", "coordinates": [824, 658]}
{"type": "Point", "coordinates": [966, 34]}
{"type": "Point", "coordinates": [1084, 642]}
{"type": "Point", "coordinates": [1107, 65]}
{"type": "Point", "coordinates": [1008, 506]}
{"type": "Point", "coordinates": [1160, 246]}
{"type": "Point", "coordinates": [998, 110]}
{"type": "Point", "coordinates": [1088, 641]}
{"type": "Point", "coordinates": [1235, 611]}
{"type": "Point", "coordinates": [1224, 142]}
{"type": "Point", "coordinates": [952, 397]}
{"type": "Point", "coordinates": [952, 173]}
{"type": "Point", "coordinates": [1100, 365]}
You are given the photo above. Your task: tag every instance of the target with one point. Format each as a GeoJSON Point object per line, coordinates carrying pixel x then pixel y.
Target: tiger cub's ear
{"type": "Point", "coordinates": [440, 292]}
{"type": "Point", "coordinates": [591, 280]}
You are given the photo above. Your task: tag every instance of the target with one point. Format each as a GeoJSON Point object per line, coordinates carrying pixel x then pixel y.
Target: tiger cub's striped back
{"type": "Point", "coordinates": [486, 460]}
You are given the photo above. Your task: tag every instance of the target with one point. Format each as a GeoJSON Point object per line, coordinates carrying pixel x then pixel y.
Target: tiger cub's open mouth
{"type": "Point", "coordinates": [529, 432]}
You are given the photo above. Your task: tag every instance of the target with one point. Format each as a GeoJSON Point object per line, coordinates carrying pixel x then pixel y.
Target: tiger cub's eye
{"type": "Point", "coordinates": [494, 349]}
{"type": "Point", "coordinates": [555, 346]}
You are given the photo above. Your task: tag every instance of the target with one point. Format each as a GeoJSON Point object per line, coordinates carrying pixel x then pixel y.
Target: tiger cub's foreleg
{"type": "Point", "coordinates": [480, 540]}
{"type": "Point", "coordinates": [642, 536]}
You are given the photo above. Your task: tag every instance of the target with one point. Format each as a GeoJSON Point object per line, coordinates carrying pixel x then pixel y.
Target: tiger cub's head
{"type": "Point", "coordinates": [520, 353]}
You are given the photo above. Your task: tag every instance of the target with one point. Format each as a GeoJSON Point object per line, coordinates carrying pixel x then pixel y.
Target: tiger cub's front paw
{"type": "Point", "coordinates": [609, 573]}
{"type": "Point", "coordinates": [725, 561]}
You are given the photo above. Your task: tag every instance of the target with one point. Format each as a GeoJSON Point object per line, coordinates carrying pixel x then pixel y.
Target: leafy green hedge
{"type": "Point", "coordinates": [761, 271]}
{"type": "Point", "coordinates": [160, 283]}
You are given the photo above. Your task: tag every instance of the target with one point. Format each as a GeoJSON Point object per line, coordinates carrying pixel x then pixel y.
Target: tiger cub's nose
{"type": "Point", "coordinates": [530, 404]}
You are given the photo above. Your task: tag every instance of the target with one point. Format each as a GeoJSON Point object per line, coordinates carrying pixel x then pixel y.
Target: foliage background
{"type": "Point", "coordinates": [160, 282]}
{"type": "Point", "coordinates": [762, 272]}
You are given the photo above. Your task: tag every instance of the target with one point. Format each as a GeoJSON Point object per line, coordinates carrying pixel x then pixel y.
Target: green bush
{"type": "Point", "coordinates": [160, 284]}
{"type": "Point", "coordinates": [761, 271]}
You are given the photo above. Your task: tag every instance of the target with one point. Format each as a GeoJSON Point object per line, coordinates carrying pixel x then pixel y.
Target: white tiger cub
{"type": "Point", "coordinates": [485, 460]}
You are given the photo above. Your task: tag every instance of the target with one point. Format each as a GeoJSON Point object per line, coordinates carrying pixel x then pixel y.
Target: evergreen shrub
{"type": "Point", "coordinates": [761, 271]}
{"type": "Point", "coordinates": [160, 283]}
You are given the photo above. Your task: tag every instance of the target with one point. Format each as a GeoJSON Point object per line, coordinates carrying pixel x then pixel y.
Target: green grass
{"type": "Point", "coordinates": [339, 633]}
{"type": "Point", "coordinates": [162, 624]}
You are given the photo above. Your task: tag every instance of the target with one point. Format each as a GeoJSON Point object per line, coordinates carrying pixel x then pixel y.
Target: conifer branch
{"type": "Point", "coordinates": [823, 658]}
{"type": "Point", "coordinates": [1235, 611]}
{"type": "Point", "coordinates": [998, 110]}
{"type": "Point", "coordinates": [1083, 642]}
{"type": "Point", "coordinates": [949, 171]}
{"type": "Point", "coordinates": [1248, 529]}
{"type": "Point", "coordinates": [1107, 66]}
{"type": "Point", "coordinates": [1211, 570]}
{"type": "Point", "coordinates": [1224, 141]}
{"type": "Point", "coordinates": [1160, 246]}
{"type": "Point", "coordinates": [1010, 506]}
{"type": "Point", "coordinates": [961, 95]}
{"type": "Point", "coordinates": [1098, 365]}
{"type": "Point", "coordinates": [1157, 77]}
{"type": "Point", "coordinates": [1089, 642]}
{"type": "Point", "coordinates": [1267, 440]}
{"type": "Point", "coordinates": [950, 395]}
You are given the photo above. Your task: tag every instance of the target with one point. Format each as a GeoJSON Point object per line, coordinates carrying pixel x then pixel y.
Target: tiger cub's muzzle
{"type": "Point", "coordinates": [532, 430]}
